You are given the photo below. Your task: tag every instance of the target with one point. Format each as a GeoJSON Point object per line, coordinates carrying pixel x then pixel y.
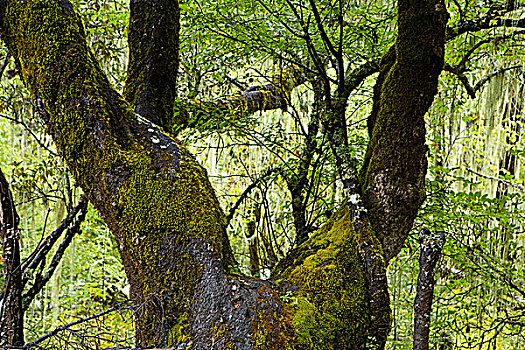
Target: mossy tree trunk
{"type": "Point", "coordinates": [393, 174]}
{"type": "Point", "coordinates": [330, 293]}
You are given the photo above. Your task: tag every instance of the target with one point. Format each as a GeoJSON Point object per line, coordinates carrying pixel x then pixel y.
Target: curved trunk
{"type": "Point", "coordinates": [393, 175]}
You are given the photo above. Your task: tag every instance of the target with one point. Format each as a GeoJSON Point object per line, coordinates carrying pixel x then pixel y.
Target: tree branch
{"type": "Point", "coordinates": [358, 75]}
{"type": "Point", "coordinates": [459, 69]}
{"type": "Point", "coordinates": [57, 330]}
{"type": "Point", "coordinates": [41, 280]}
{"type": "Point", "coordinates": [393, 174]}
{"type": "Point", "coordinates": [506, 182]}
{"type": "Point", "coordinates": [472, 90]}
{"type": "Point", "coordinates": [153, 40]}
{"type": "Point", "coordinates": [336, 127]}
{"type": "Point", "coordinates": [493, 19]}
{"type": "Point", "coordinates": [5, 64]}
{"type": "Point", "coordinates": [248, 189]}
{"type": "Point", "coordinates": [26, 127]}
{"type": "Point", "coordinates": [11, 314]}
{"type": "Point", "coordinates": [324, 37]}
{"type": "Point", "coordinates": [40, 252]}
{"type": "Point", "coordinates": [216, 114]}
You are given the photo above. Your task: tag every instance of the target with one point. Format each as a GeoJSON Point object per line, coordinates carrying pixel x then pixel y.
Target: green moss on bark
{"type": "Point", "coordinates": [154, 200]}
{"type": "Point", "coordinates": [325, 289]}
{"type": "Point", "coordinates": [154, 60]}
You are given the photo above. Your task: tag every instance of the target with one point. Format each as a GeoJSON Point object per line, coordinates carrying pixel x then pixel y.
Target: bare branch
{"type": "Point", "coordinates": [41, 281]}
{"type": "Point", "coordinates": [26, 127]}
{"type": "Point", "coordinates": [493, 19]}
{"type": "Point", "coordinates": [57, 330]}
{"type": "Point", "coordinates": [248, 189]}
{"type": "Point", "coordinates": [318, 21]}
{"type": "Point", "coordinates": [32, 262]}
{"type": "Point", "coordinates": [472, 90]}
{"type": "Point", "coordinates": [506, 182]}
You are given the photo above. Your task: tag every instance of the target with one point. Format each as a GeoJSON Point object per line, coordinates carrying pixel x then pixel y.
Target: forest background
{"type": "Point", "coordinates": [475, 190]}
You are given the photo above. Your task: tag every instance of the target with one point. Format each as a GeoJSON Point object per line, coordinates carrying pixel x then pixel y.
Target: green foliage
{"type": "Point", "coordinates": [472, 193]}
{"type": "Point", "coordinates": [90, 277]}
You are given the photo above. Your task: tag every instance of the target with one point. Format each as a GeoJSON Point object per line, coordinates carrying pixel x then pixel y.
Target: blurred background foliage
{"type": "Point", "coordinates": [475, 187]}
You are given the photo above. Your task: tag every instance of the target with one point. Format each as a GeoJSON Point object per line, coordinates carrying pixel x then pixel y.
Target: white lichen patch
{"type": "Point", "coordinates": [353, 198]}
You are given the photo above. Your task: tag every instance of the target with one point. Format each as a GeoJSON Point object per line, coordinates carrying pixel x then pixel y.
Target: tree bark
{"type": "Point", "coordinates": [330, 292]}
{"type": "Point", "coordinates": [431, 246]}
{"type": "Point", "coordinates": [393, 174]}
{"type": "Point", "coordinates": [151, 193]}
{"type": "Point", "coordinates": [11, 312]}
{"type": "Point", "coordinates": [153, 60]}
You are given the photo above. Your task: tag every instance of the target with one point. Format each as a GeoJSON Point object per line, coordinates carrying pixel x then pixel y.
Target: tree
{"type": "Point", "coordinates": [331, 291]}
{"type": "Point", "coordinates": [12, 318]}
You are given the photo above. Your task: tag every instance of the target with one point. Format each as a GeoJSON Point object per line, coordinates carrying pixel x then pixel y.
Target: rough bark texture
{"type": "Point", "coordinates": [330, 293]}
{"type": "Point", "coordinates": [326, 289]}
{"type": "Point", "coordinates": [11, 313]}
{"type": "Point", "coordinates": [431, 246]}
{"type": "Point", "coordinates": [392, 177]}
{"type": "Point", "coordinates": [151, 79]}
{"type": "Point", "coordinates": [154, 197]}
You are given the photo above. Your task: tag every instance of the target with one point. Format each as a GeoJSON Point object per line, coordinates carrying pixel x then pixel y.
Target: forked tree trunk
{"type": "Point", "coordinates": [330, 292]}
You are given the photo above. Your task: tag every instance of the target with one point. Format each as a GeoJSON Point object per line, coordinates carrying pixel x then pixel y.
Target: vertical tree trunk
{"type": "Point", "coordinates": [11, 312]}
{"type": "Point", "coordinates": [431, 246]}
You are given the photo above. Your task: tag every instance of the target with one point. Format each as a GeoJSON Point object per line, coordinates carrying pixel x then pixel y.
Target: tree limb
{"type": "Point", "coordinates": [248, 189]}
{"type": "Point", "coordinates": [472, 90]}
{"type": "Point", "coordinates": [216, 114]}
{"type": "Point", "coordinates": [393, 173]}
{"type": "Point", "coordinates": [506, 182]}
{"type": "Point", "coordinates": [153, 60]}
{"type": "Point", "coordinates": [40, 252]}
{"type": "Point", "coordinates": [74, 323]}
{"type": "Point", "coordinates": [493, 19]}
{"type": "Point", "coordinates": [41, 280]}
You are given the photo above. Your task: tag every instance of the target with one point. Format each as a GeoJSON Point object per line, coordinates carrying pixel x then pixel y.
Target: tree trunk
{"type": "Point", "coordinates": [11, 311]}
{"type": "Point", "coordinates": [392, 177]}
{"type": "Point", "coordinates": [330, 292]}
{"type": "Point", "coordinates": [431, 247]}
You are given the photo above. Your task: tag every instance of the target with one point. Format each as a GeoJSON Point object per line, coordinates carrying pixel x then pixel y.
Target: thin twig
{"type": "Point", "coordinates": [30, 132]}
{"type": "Point", "coordinates": [248, 190]}
{"type": "Point", "coordinates": [74, 323]}
{"type": "Point", "coordinates": [506, 182]}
